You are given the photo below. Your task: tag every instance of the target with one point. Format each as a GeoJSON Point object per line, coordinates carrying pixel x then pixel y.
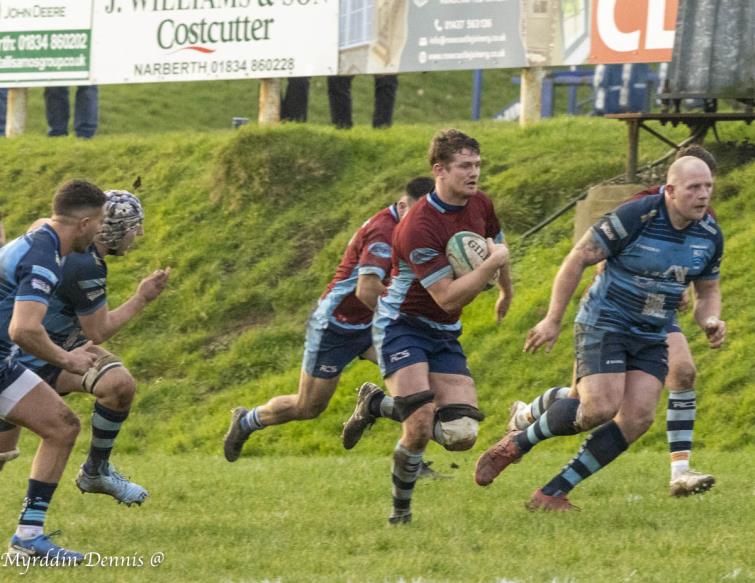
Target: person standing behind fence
{"type": "Point", "coordinates": [85, 113]}
{"type": "Point", "coordinates": [339, 97]}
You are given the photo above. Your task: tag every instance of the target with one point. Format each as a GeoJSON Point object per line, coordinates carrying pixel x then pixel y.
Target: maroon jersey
{"type": "Point", "coordinates": [419, 255]}
{"type": "Point", "coordinates": [368, 252]}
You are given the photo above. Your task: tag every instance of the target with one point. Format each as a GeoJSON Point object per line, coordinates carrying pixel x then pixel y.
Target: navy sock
{"type": "Point", "coordinates": [600, 448]}
{"type": "Point", "coordinates": [38, 497]}
{"type": "Point", "coordinates": [557, 420]}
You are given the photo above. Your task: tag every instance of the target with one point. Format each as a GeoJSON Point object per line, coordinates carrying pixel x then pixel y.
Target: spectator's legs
{"type": "Point", "coordinates": [86, 111]}
{"type": "Point", "coordinates": [385, 98]}
{"type": "Point", "coordinates": [296, 100]}
{"type": "Point", "coordinates": [58, 110]}
{"type": "Point", "coordinates": [339, 96]}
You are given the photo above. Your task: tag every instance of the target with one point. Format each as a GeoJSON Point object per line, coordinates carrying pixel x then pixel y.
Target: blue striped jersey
{"type": "Point", "coordinates": [649, 265]}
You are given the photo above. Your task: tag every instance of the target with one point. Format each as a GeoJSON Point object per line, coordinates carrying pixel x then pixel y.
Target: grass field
{"type": "Point", "coordinates": [229, 331]}
{"type": "Point", "coordinates": [323, 519]}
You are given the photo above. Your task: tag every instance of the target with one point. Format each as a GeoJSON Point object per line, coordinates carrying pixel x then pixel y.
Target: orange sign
{"type": "Point", "coordinates": [632, 31]}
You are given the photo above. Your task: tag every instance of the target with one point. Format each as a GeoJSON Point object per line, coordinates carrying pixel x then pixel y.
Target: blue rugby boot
{"type": "Point", "coordinates": [109, 481]}
{"type": "Point", "coordinates": [42, 546]}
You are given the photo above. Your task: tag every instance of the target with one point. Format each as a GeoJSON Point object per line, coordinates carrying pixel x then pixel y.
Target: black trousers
{"type": "Point", "coordinates": [339, 97]}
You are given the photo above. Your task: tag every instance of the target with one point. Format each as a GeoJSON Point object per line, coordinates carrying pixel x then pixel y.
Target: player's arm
{"type": "Point", "coordinates": [453, 294]}
{"type": "Point", "coordinates": [585, 253]}
{"type": "Point", "coordinates": [26, 330]}
{"type": "Point", "coordinates": [369, 288]}
{"type": "Point", "coordinates": [708, 311]}
{"type": "Point", "coordinates": [506, 292]}
{"type": "Point", "coordinates": [103, 323]}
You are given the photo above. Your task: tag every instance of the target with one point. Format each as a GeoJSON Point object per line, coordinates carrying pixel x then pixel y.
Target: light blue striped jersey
{"type": "Point", "coordinates": [649, 265]}
{"type": "Point", "coordinates": [30, 270]}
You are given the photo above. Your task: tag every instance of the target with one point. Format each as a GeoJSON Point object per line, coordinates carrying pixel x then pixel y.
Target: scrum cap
{"type": "Point", "coordinates": [123, 212]}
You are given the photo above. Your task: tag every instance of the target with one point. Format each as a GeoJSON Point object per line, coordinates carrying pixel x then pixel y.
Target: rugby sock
{"type": "Point", "coordinates": [557, 420]}
{"type": "Point", "coordinates": [680, 421]}
{"type": "Point", "coordinates": [31, 522]}
{"type": "Point", "coordinates": [381, 405]}
{"type": "Point", "coordinates": [541, 404]}
{"type": "Point", "coordinates": [406, 468]}
{"type": "Point", "coordinates": [251, 421]}
{"type": "Point", "coordinates": [106, 423]}
{"type": "Point", "coordinates": [600, 448]}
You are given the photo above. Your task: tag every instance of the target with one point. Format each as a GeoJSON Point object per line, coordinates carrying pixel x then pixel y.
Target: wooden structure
{"type": "Point", "coordinates": [698, 122]}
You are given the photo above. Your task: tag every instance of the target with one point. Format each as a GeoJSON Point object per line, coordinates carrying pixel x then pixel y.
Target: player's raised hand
{"type": "Point", "coordinates": [81, 359]}
{"type": "Point", "coordinates": [545, 333]}
{"type": "Point", "coordinates": [154, 284]}
{"type": "Point", "coordinates": [715, 330]}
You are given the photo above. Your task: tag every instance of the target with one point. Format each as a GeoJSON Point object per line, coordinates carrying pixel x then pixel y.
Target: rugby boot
{"type": "Point", "coordinates": [8, 456]}
{"type": "Point", "coordinates": [691, 482]}
{"type": "Point", "coordinates": [497, 458]}
{"type": "Point", "coordinates": [236, 436]}
{"type": "Point", "coordinates": [42, 546]}
{"type": "Point", "coordinates": [400, 518]}
{"type": "Point", "coordinates": [427, 473]}
{"type": "Point", "coordinates": [518, 418]}
{"type": "Point", "coordinates": [361, 418]}
{"type": "Point", "coordinates": [109, 481]}
{"type": "Point", "coordinates": [540, 501]}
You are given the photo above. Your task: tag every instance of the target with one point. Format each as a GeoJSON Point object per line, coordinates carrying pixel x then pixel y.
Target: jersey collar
{"type": "Point", "coordinates": [442, 207]}
{"type": "Point", "coordinates": [394, 212]}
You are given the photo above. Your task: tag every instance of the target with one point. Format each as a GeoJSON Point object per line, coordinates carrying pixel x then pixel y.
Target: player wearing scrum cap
{"type": "Point", "coordinates": [79, 312]}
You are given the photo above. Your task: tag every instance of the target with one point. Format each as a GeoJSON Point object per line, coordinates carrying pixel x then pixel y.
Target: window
{"type": "Point", "coordinates": [355, 23]}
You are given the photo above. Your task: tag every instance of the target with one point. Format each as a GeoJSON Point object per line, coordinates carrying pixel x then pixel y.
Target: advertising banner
{"type": "Point", "coordinates": [42, 43]}
{"type": "Point", "coordinates": [75, 42]}
{"type": "Point", "coordinates": [139, 41]}
{"type": "Point", "coordinates": [388, 36]}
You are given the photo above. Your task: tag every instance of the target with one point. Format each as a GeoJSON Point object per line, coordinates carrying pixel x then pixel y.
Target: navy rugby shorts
{"type": "Point", "coordinates": [328, 350]}
{"type": "Point", "coordinates": [406, 341]}
{"type": "Point", "coordinates": [601, 351]}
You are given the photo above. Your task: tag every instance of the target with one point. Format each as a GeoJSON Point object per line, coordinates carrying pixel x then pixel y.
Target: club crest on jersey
{"type": "Point", "coordinates": [380, 249]}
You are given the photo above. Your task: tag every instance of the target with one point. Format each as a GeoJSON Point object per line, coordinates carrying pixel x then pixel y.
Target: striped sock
{"type": "Point", "coordinates": [600, 448]}
{"type": "Point", "coordinates": [31, 522]}
{"type": "Point", "coordinates": [406, 467]}
{"type": "Point", "coordinates": [251, 421]}
{"type": "Point", "coordinates": [680, 422]}
{"type": "Point", "coordinates": [542, 403]}
{"type": "Point", "coordinates": [381, 405]}
{"type": "Point", "coordinates": [557, 420]}
{"type": "Point", "coordinates": [106, 424]}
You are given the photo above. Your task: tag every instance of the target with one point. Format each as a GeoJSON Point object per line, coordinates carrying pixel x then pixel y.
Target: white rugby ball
{"type": "Point", "coordinates": [466, 251]}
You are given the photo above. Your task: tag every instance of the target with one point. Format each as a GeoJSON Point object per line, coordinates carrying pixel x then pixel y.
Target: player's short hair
{"type": "Point", "coordinates": [697, 151]}
{"type": "Point", "coordinates": [418, 187]}
{"type": "Point", "coordinates": [123, 212]}
{"type": "Point", "coordinates": [75, 196]}
{"type": "Point", "coordinates": [447, 143]}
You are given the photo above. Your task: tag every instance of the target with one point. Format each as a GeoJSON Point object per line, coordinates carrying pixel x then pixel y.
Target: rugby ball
{"type": "Point", "coordinates": [466, 251]}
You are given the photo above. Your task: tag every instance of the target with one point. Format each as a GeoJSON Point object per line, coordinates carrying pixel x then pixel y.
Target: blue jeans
{"type": "Point", "coordinates": [58, 109]}
{"type": "Point", "coordinates": [3, 105]}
